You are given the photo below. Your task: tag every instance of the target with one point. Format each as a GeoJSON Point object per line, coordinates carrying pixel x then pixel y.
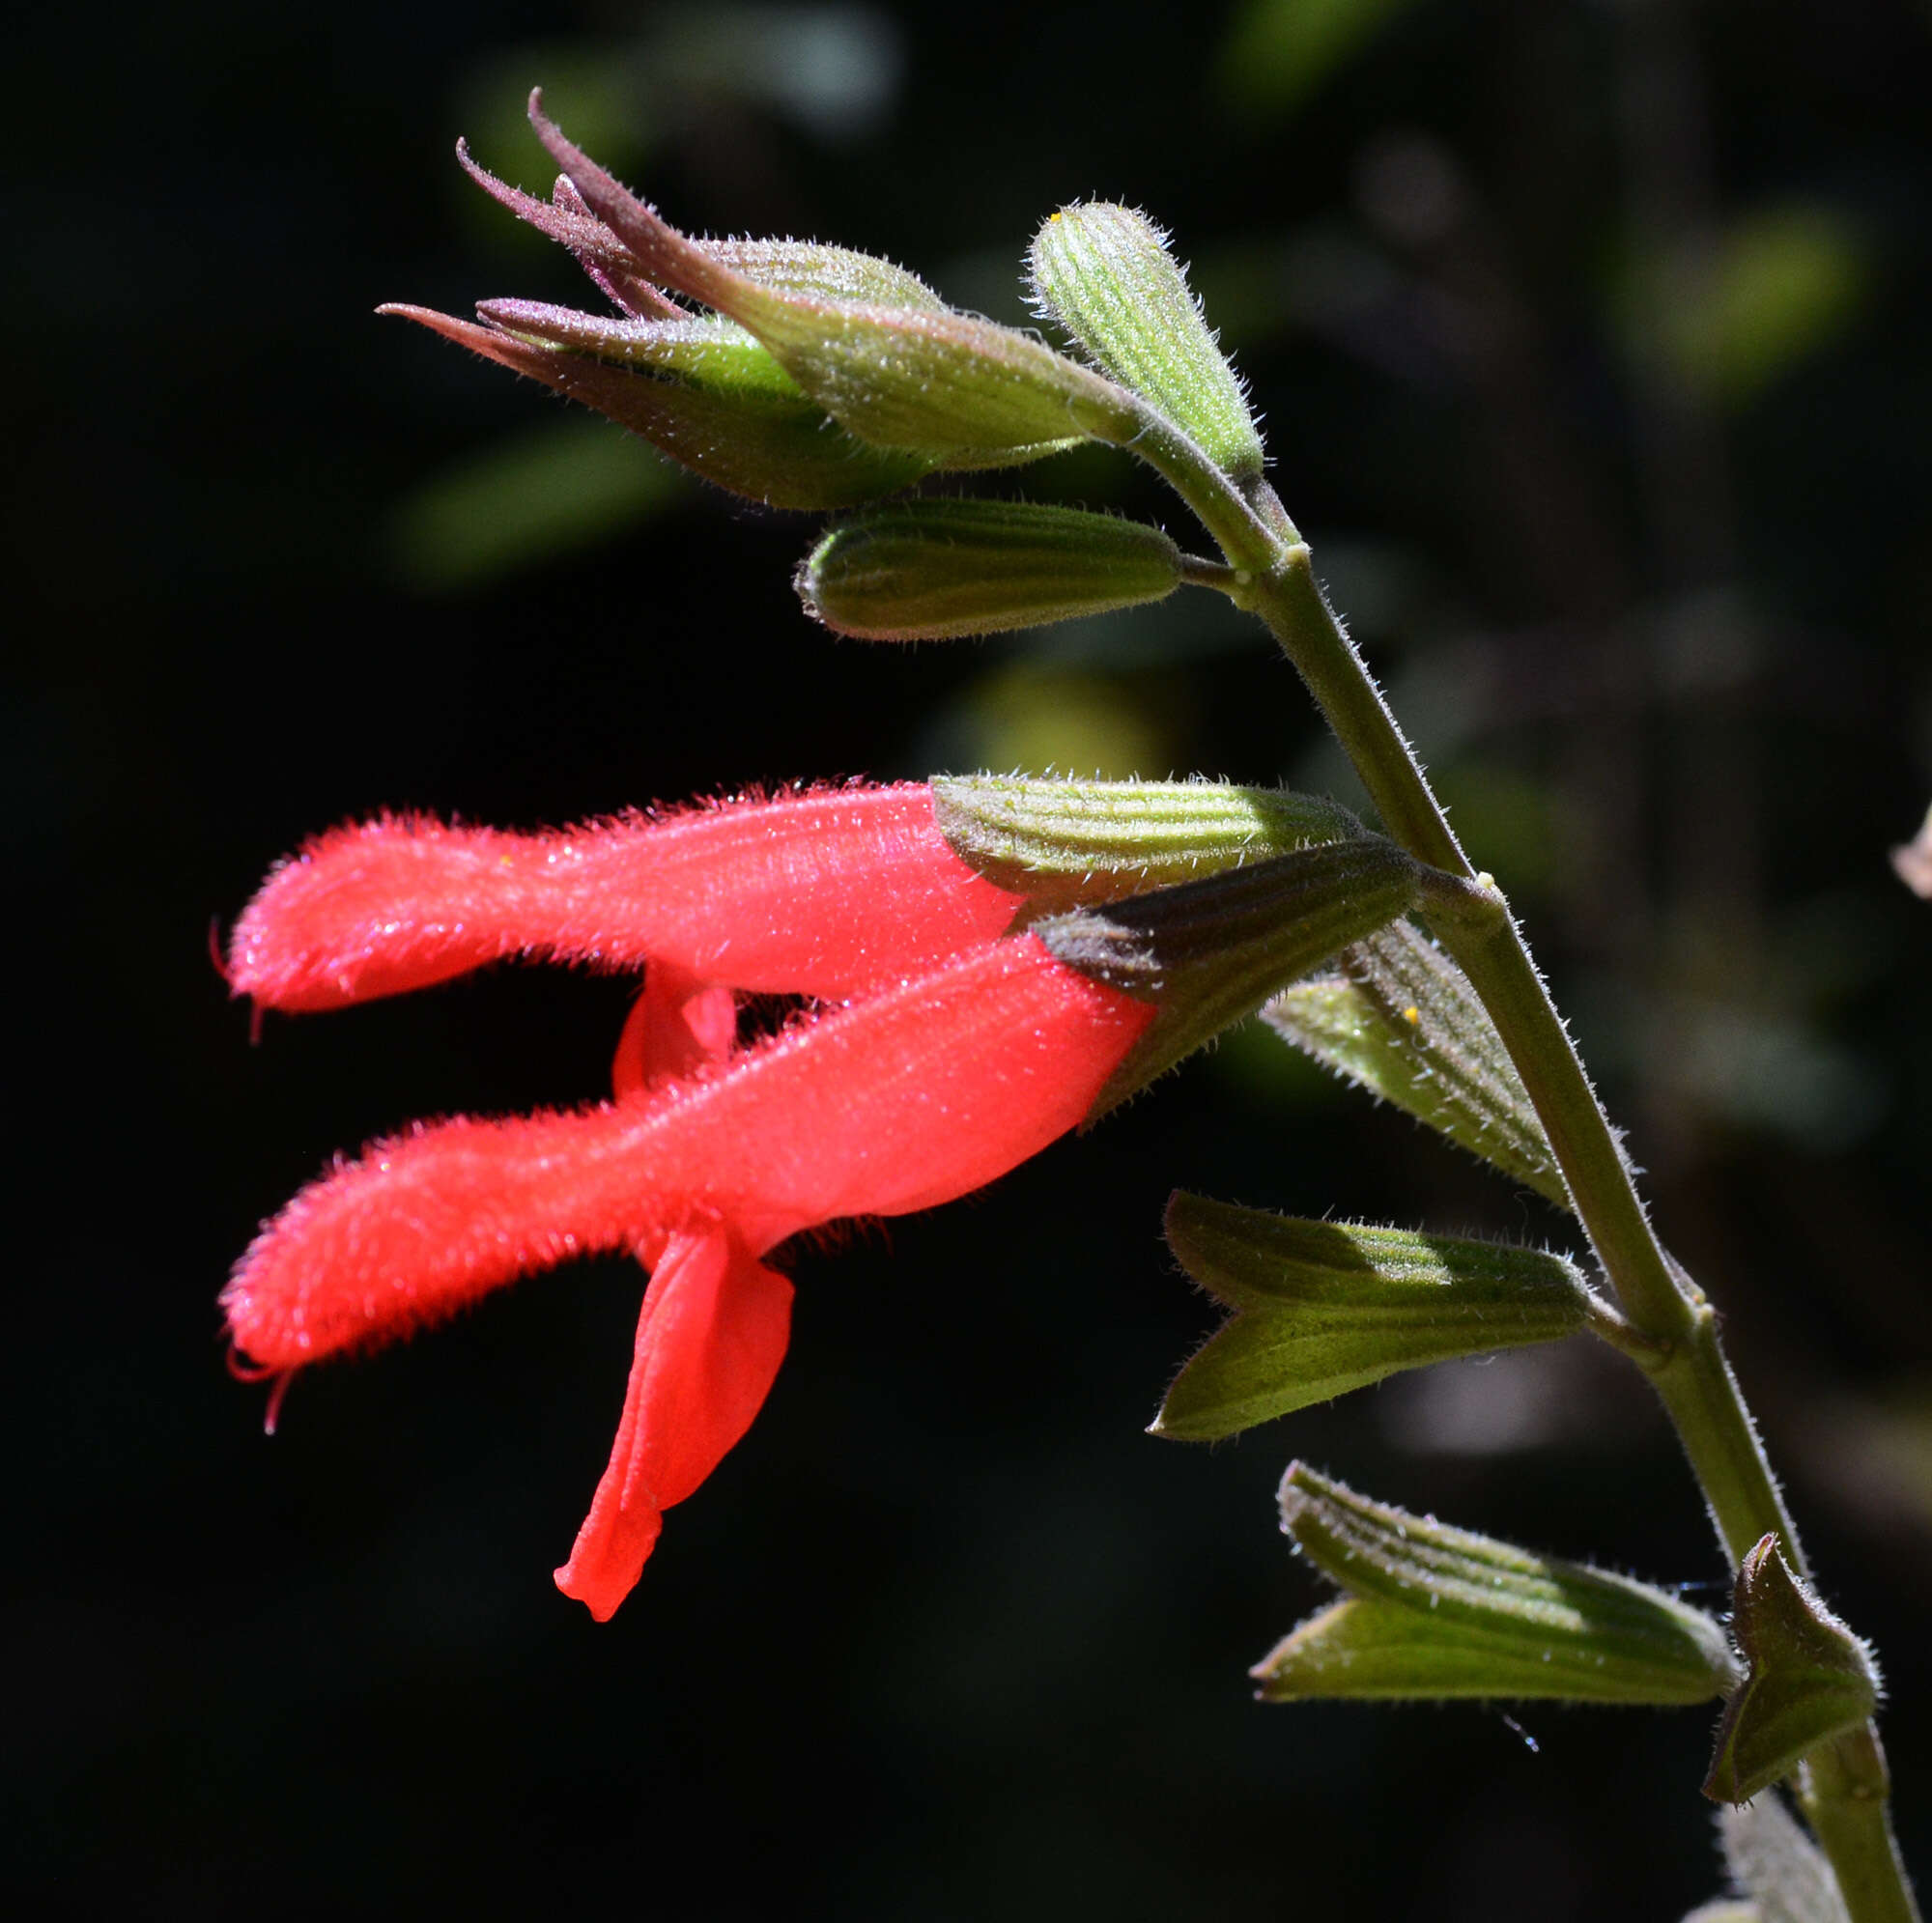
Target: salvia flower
{"type": "Point", "coordinates": [955, 1052]}
{"type": "Point", "coordinates": [961, 1014]}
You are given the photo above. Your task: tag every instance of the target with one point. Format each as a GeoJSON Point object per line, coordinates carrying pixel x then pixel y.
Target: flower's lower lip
{"type": "Point", "coordinates": [888, 1102]}
{"type": "Point", "coordinates": [892, 1103]}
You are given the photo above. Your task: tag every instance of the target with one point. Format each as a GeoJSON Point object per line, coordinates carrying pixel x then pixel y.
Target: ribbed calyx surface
{"type": "Point", "coordinates": [1440, 1612]}
{"type": "Point", "coordinates": [1400, 1019]}
{"type": "Point", "coordinates": [1105, 274]}
{"type": "Point", "coordinates": [933, 569]}
{"type": "Point", "coordinates": [1810, 1678]}
{"type": "Point", "coordinates": [1063, 843]}
{"type": "Point", "coordinates": [897, 375]}
{"type": "Point", "coordinates": [1325, 1307]}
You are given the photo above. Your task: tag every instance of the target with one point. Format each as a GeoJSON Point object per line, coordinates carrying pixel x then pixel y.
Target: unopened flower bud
{"type": "Point", "coordinates": [701, 348]}
{"type": "Point", "coordinates": [729, 422]}
{"type": "Point", "coordinates": [810, 267]}
{"type": "Point", "coordinates": [1104, 272]}
{"type": "Point", "coordinates": [892, 375]}
{"type": "Point", "coordinates": [837, 273]}
{"type": "Point", "coordinates": [932, 570]}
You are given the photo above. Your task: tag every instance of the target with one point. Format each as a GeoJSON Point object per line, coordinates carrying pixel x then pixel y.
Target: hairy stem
{"type": "Point", "coordinates": [1844, 1787]}
{"type": "Point", "coordinates": [1842, 1784]}
{"type": "Point", "coordinates": [1845, 1790]}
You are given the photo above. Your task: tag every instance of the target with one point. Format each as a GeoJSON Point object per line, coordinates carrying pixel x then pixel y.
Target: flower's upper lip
{"type": "Point", "coordinates": [824, 893]}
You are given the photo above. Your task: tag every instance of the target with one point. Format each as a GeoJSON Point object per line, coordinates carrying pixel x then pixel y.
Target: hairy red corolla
{"type": "Point", "coordinates": [825, 893]}
{"type": "Point", "coordinates": [961, 1055]}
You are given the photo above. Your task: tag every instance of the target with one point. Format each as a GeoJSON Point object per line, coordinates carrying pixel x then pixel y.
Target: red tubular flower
{"type": "Point", "coordinates": [980, 1053]}
{"type": "Point", "coordinates": [824, 894]}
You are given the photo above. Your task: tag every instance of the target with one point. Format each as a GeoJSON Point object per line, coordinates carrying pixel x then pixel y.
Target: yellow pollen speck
{"type": "Point", "coordinates": [1412, 1015]}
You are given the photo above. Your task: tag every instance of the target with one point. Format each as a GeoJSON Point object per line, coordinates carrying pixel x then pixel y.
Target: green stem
{"type": "Point", "coordinates": [1196, 571]}
{"type": "Point", "coordinates": [1842, 1783]}
{"type": "Point", "coordinates": [1708, 1410]}
{"type": "Point", "coordinates": [1846, 1791]}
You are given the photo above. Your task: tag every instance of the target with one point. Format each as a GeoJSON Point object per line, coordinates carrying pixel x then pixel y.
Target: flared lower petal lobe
{"type": "Point", "coordinates": [825, 894]}
{"type": "Point", "coordinates": [710, 1338]}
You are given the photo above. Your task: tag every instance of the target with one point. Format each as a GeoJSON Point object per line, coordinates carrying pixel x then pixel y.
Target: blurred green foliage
{"type": "Point", "coordinates": [534, 497]}
{"type": "Point", "coordinates": [1277, 52]}
{"type": "Point", "coordinates": [1779, 284]}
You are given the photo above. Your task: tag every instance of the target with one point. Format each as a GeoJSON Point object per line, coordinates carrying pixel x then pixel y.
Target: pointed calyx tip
{"type": "Point", "coordinates": [1809, 1678]}
{"type": "Point", "coordinates": [1209, 953]}
{"type": "Point", "coordinates": [1290, 1498]}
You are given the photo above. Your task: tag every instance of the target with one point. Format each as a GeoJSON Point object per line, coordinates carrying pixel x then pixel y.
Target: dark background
{"type": "Point", "coordinates": [1591, 343]}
